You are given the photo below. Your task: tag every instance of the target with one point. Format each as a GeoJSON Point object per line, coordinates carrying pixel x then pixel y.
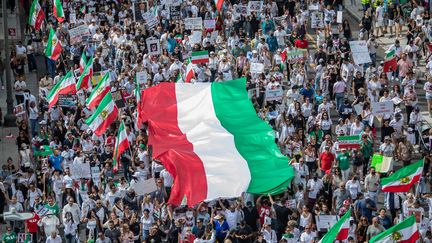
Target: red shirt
{"type": "Point", "coordinates": [32, 224]}
{"type": "Point", "coordinates": [326, 160]}
{"type": "Point", "coordinates": [302, 44]}
{"type": "Point", "coordinates": [263, 212]}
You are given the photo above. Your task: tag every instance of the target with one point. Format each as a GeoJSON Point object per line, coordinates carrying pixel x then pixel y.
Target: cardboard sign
{"type": "Point", "coordinates": [274, 94]}
{"type": "Point", "coordinates": [72, 18]}
{"type": "Point", "coordinates": [118, 98]}
{"type": "Point", "coordinates": [95, 173]}
{"type": "Point", "coordinates": [382, 108]}
{"type": "Point", "coordinates": [256, 67]}
{"type": "Point", "coordinates": [325, 222]}
{"type": "Point", "coordinates": [193, 23]}
{"type": "Point", "coordinates": [280, 21]}
{"type": "Point", "coordinates": [396, 100]}
{"type": "Point", "coordinates": [67, 101]}
{"type": "Point", "coordinates": [153, 46]}
{"type": "Point", "coordinates": [317, 19]}
{"type": "Point", "coordinates": [417, 212]}
{"type": "Point", "coordinates": [79, 34]}
{"type": "Point", "coordinates": [81, 170]}
{"type": "Point", "coordinates": [254, 6]}
{"type": "Point", "coordinates": [144, 187]}
{"type": "Point", "coordinates": [175, 12]}
{"type": "Point", "coordinates": [141, 77]}
{"type": "Point", "coordinates": [19, 110]}
{"type": "Point", "coordinates": [195, 38]}
{"type": "Point", "coordinates": [339, 17]}
{"type": "Point", "coordinates": [151, 21]}
{"type": "Point", "coordinates": [360, 52]}
{"type": "Point", "coordinates": [240, 10]}
{"type": "Point", "coordinates": [296, 55]}
{"type": "Point", "coordinates": [210, 24]}
{"type": "Point", "coordinates": [139, 10]}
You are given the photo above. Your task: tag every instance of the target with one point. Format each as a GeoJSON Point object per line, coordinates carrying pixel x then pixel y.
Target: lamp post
{"type": "Point", "coordinates": [9, 119]}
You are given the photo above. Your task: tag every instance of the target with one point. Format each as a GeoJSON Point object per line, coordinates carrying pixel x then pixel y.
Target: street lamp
{"type": "Point", "coordinates": [9, 119]}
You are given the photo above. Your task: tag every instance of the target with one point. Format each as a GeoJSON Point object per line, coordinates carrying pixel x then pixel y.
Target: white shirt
{"type": "Point", "coordinates": [58, 239]}
{"type": "Point", "coordinates": [167, 178]}
{"type": "Point", "coordinates": [20, 50]}
{"type": "Point", "coordinates": [315, 186]}
{"type": "Point", "coordinates": [307, 238]}
{"type": "Point", "coordinates": [232, 218]}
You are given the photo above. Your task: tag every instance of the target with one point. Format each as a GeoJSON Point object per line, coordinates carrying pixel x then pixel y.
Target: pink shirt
{"type": "Point", "coordinates": [404, 66]}
{"type": "Point", "coordinates": [339, 87]}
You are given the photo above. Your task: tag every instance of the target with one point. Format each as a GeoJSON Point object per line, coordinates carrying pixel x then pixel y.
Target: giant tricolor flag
{"type": "Point", "coordinates": [403, 179]}
{"type": "Point", "coordinates": [404, 232]}
{"type": "Point", "coordinates": [339, 231]}
{"type": "Point", "coordinates": [209, 137]}
{"type": "Point", "coordinates": [66, 85]}
{"type": "Point", "coordinates": [58, 11]}
{"type": "Point", "coordinates": [99, 92]}
{"type": "Point", "coordinates": [105, 114]}
{"type": "Point", "coordinates": [219, 4]}
{"type": "Point", "coordinates": [85, 77]}
{"type": "Point", "coordinates": [390, 61]}
{"type": "Point", "coordinates": [121, 145]}
{"type": "Point", "coordinates": [36, 16]}
{"type": "Point", "coordinates": [200, 57]}
{"type": "Point", "coordinates": [54, 47]}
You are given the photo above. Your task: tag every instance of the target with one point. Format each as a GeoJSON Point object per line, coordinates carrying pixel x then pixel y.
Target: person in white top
{"type": "Point", "coordinates": [168, 180]}
{"type": "Point", "coordinates": [307, 236]}
{"type": "Point", "coordinates": [54, 238]}
{"type": "Point", "coordinates": [73, 208]}
{"type": "Point", "coordinates": [232, 214]}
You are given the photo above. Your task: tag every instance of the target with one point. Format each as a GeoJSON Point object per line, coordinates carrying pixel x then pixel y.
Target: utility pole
{"type": "Point", "coordinates": [10, 118]}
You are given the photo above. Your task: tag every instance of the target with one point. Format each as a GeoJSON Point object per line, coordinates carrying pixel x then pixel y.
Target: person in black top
{"type": "Point", "coordinates": [282, 214]}
{"type": "Point", "coordinates": [366, 23]}
{"type": "Point", "coordinates": [243, 233]}
{"type": "Point", "coordinates": [251, 215]}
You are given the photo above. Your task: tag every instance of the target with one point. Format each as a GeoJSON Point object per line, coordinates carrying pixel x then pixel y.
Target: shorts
{"type": "Point", "coordinates": [379, 23]}
{"type": "Point", "coordinates": [391, 22]}
{"type": "Point", "coordinates": [428, 96]}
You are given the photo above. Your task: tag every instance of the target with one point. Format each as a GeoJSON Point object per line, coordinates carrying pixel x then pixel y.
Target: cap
{"type": "Point", "coordinates": [387, 138]}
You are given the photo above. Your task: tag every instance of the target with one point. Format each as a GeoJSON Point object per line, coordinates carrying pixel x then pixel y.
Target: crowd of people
{"type": "Point", "coordinates": [325, 96]}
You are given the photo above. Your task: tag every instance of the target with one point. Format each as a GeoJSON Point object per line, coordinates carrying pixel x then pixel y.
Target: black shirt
{"type": "Point", "coordinates": [251, 216]}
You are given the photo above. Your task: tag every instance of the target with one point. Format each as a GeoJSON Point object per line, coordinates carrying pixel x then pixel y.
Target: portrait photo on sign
{"type": "Point", "coordinates": [140, 9]}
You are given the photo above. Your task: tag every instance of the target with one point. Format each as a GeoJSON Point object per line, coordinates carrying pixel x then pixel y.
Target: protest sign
{"type": "Point", "coordinates": [339, 17]}
{"type": "Point", "coordinates": [358, 108]}
{"type": "Point", "coordinates": [139, 10]}
{"type": "Point", "coordinates": [240, 10]}
{"type": "Point", "coordinates": [72, 18]}
{"type": "Point", "coordinates": [382, 108]}
{"type": "Point", "coordinates": [213, 36]}
{"type": "Point", "coordinates": [396, 100]}
{"type": "Point", "coordinates": [42, 212]}
{"type": "Point", "coordinates": [280, 21]}
{"type": "Point", "coordinates": [79, 34]}
{"type": "Point", "coordinates": [291, 203]}
{"type": "Point", "coordinates": [274, 94]}
{"type": "Point", "coordinates": [417, 212]}
{"type": "Point", "coordinates": [317, 19]}
{"type": "Point", "coordinates": [153, 46]}
{"type": "Point", "coordinates": [175, 12]}
{"type": "Point", "coordinates": [172, 2]}
{"type": "Point", "coordinates": [209, 24]}
{"type": "Point", "coordinates": [21, 237]}
{"type": "Point", "coordinates": [19, 110]}
{"type": "Point", "coordinates": [254, 6]}
{"type": "Point", "coordinates": [325, 222]}
{"type": "Point", "coordinates": [193, 23]}
{"type": "Point", "coordinates": [313, 7]}
{"type": "Point", "coordinates": [141, 77]}
{"type": "Point", "coordinates": [256, 67]}
{"type": "Point", "coordinates": [144, 187]}
{"type": "Point", "coordinates": [80, 170]}
{"type": "Point", "coordinates": [67, 100]}
{"type": "Point", "coordinates": [377, 162]}
{"type": "Point", "coordinates": [249, 55]}
{"type": "Point", "coordinates": [195, 38]}
{"type": "Point", "coordinates": [95, 173]}
{"type": "Point", "coordinates": [296, 55]}
{"type": "Point", "coordinates": [117, 96]}
{"type": "Point", "coordinates": [360, 52]}
{"type": "Point", "coordinates": [151, 21]}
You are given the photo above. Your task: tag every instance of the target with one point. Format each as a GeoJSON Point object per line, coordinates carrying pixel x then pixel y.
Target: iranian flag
{"type": "Point", "coordinates": [200, 57]}
{"type": "Point", "coordinates": [65, 86]}
{"type": "Point", "coordinates": [83, 62]}
{"type": "Point", "coordinates": [189, 72]}
{"type": "Point", "coordinates": [208, 134]}
{"type": "Point", "coordinates": [339, 231]}
{"type": "Point", "coordinates": [36, 15]}
{"type": "Point", "coordinates": [84, 80]}
{"type": "Point", "coordinates": [349, 141]}
{"type": "Point", "coordinates": [403, 179]}
{"type": "Point", "coordinates": [54, 48]}
{"type": "Point", "coordinates": [121, 145]}
{"type": "Point", "coordinates": [105, 114]}
{"type": "Point", "coordinates": [179, 78]}
{"type": "Point", "coordinates": [58, 11]}
{"type": "Point", "coordinates": [390, 61]}
{"type": "Point", "coordinates": [404, 232]}
{"type": "Point", "coordinates": [99, 92]}
{"type": "Point", "coordinates": [219, 4]}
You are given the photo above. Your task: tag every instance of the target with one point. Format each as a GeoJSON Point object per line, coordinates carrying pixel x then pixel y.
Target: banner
{"type": "Point", "coordinates": [254, 6]}
{"type": "Point", "coordinates": [382, 108]}
{"type": "Point", "coordinates": [67, 100]}
{"type": "Point", "coordinates": [256, 67]}
{"type": "Point", "coordinates": [274, 94]}
{"type": "Point", "coordinates": [280, 21]}
{"type": "Point", "coordinates": [79, 34]}
{"type": "Point", "coordinates": [175, 12]}
{"type": "Point", "coordinates": [317, 19]}
{"type": "Point", "coordinates": [193, 23]}
{"type": "Point", "coordinates": [296, 55]}
{"type": "Point", "coordinates": [81, 170]}
{"type": "Point", "coordinates": [349, 142]}
{"type": "Point", "coordinates": [153, 46]}
{"type": "Point", "coordinates": [144, 187]}
{"type": "Point", "coordinates": [325, 222]}
{"type": "Point", "coordinates": [195, 38]}
{"type": "Point", "coordinates": [72, 18]}
{"type": "Point", "coordinates": [360, 52]}
{"type": "Point", "coordinates": [240, 10]}
{"type": "Point", "coordinates": [151, 21]}
{"type": "Point", "coordinates": [210, 24]}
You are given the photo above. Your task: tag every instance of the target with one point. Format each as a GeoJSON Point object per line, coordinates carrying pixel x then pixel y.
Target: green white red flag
{"type": "Point", "coordinates": [65, 86]}
{"type": "Point", "coordinates": [85, 77]}
{"type": "Point", "coordinates": [404, 232]}
{"type": "Point", "coordinates": [390, 61]}
{"type": "Point", "coordinates": [58, 11]}
{"type": "Point", "coordinates": [54, 47]}
{"type": "Point", "coordinates": [219, 4]}
{"type": "Point", "coordinates": [200, 57]}
{"type": "Point", "coordinates": [104, 116]}
{"type": "Point", "coordinates": [99, 92]}
{"type": "Point", "coordinates": [121, 145]}
{"type": "Point", "coordinates": [36, 16]}
{"type": "Point", "coordinates": [349, 141]}
{"type": "Point", "coordinates": [83, 62]}
{"type": "Point", "coordinates": [189, 72]}
{"type": "Point", "coordinates": [403, 179]}
{"type": "Point", "coordinates": [339, 231]}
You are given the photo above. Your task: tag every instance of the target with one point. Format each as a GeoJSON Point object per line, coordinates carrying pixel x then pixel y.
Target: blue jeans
{"type": "Point", "coordinates": [33, 126]}
{"type": "Point", "coordinates": [339, 99]}
{"type": "Point", "coordinates": [51, 67]}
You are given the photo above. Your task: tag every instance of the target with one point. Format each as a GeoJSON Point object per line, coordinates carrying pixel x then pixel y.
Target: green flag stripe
{"type": "Point", "coordinates": [402, 225]}
{"type": "Point", "coordinates": [402, 173]}
{"type": "Point", "coordinates": [105, 101]}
